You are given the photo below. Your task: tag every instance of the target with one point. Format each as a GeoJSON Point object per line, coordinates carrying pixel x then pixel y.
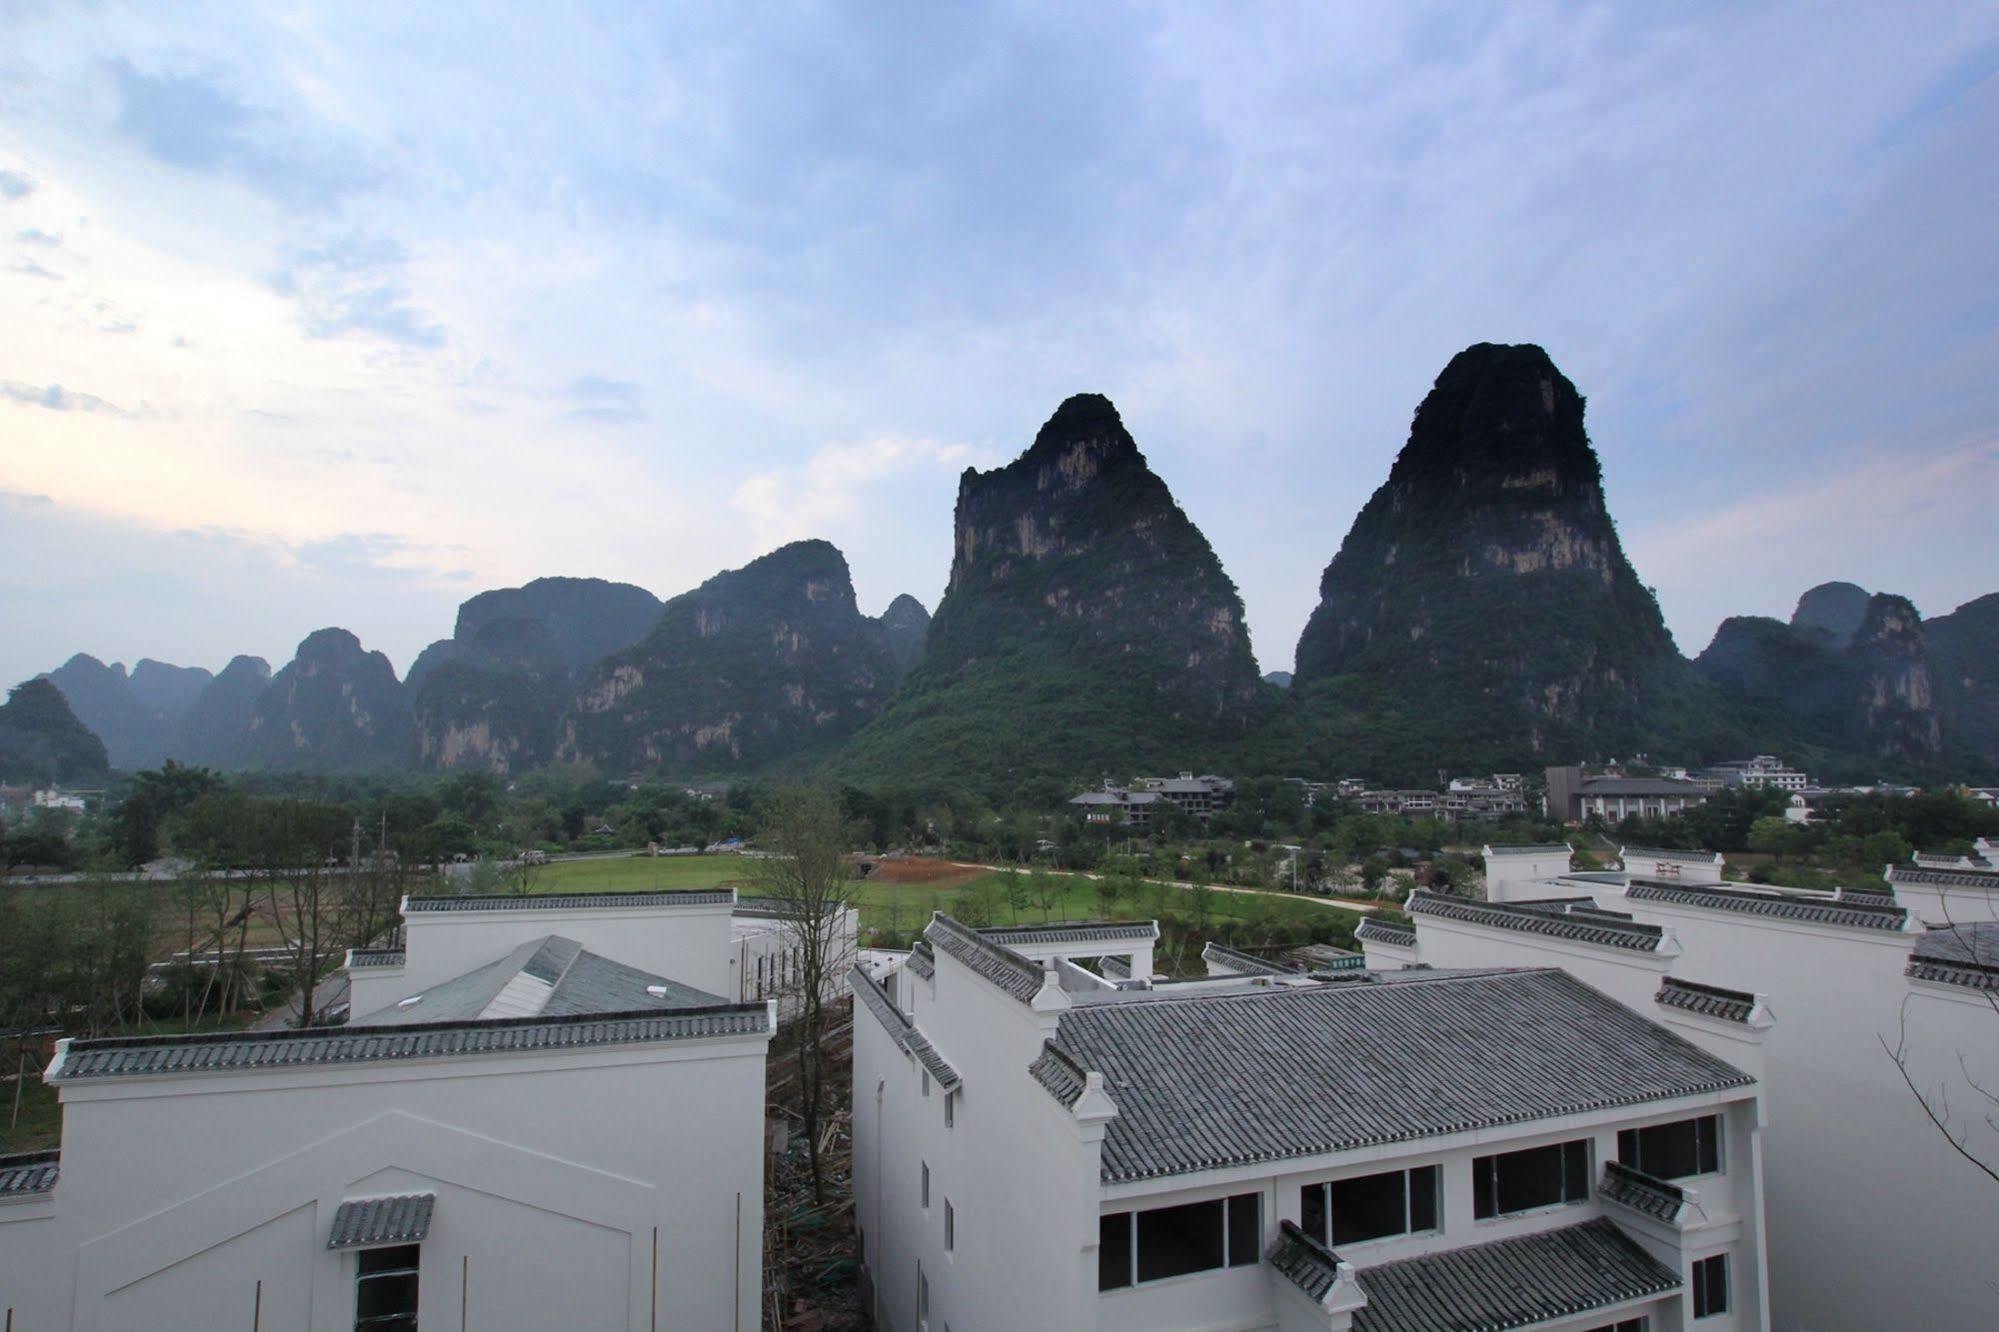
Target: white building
{"type": "Point", "coordinates": [1764, 770]}
{"type": "Point", "coordinates": [546, 1137]}
{"type": "Point", "coordinates": [1040, 1145]}
{"type": "Point", "coordinates": [1829, 984]}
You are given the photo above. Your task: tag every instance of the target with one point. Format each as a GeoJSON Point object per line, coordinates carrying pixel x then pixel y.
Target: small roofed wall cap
{"type": "Point", "coordinates": [362, 1223]}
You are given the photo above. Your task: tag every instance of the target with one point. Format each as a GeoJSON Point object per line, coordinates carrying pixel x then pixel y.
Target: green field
{"type": "Point", "coordinates": [893, 911]}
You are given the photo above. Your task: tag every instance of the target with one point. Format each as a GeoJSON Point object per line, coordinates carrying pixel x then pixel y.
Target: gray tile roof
{"type": "Point", "coordinates": [24, 1174]}
{"type": "Point", "coordinates": [403, 1219]}
{"type": "Point", "coordinates": [1966, 955]}
{"type": "Point", "coordinates": [548, 977]}
{"type": "Point", "coordinates": [1711, 1000]}
{"type": "Point", "coordinates": [1590, 928]}
{"type": "Point", "coordinates": [922, 960]}
{"type": "Point", "coordinates": [1058, 1073]}
{"type": "Point", "coordinates": [1323, 958]}
{"type": "Point", "coordinates": [375, 957]}
{"type": "Point", "coordinates": [1245, 964]}
{"type": "Point", "coordinates": [1387, 932]}
{"type": "Point", "coordinates": [1657, 1198]}
{"type": "Point", "coordinates": [1782, 906]}
{"type": "Point", "coordinates": [1223, 1079]}
{"type": "Point", "coordinates": [996, 962]}
{"type": "Point", "coordinates": [1937, 878]}
{"type": "Point", "coordinates": [1113, 967]}
{"type": "Point", "coordinates": [569, 901]}
{"type": "Point", "coordinates": [1667, 853]}
{"type": "Point", "coordinates": [1076, 932]}
{"type": "Point", "coordinates": [901, 1030]}
{"type": "Point", "coordinates": [137, 1056]}
{"type": "Point", "coordinates": [1531, 849]}
{"type": "Point", "coordinates": [1303, 1261]}
{"type": "Point", "coordinates": [1511, 1282]}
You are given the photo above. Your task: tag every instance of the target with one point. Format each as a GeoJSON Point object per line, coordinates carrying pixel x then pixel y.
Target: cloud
{"type": "Point", "coordinates": [56, 398]}
{"type": "Point", "coordinates": [14, 185]}
{"type": "Point", "coordinates": [195, 122]}
{"type": "Point", "coordinates": [613, 401]}
{"type": "Point", "coordinates": [835, 486]}
{"type": "Point", "coordinates": [29, 268]}
{"type": "Point", "coordinates": [357, 284]}
{"type": "Point", "coordinates": [36, 236]}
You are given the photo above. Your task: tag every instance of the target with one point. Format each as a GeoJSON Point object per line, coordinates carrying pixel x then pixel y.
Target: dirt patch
{"type": "Point", "coordinates": [922, 870]}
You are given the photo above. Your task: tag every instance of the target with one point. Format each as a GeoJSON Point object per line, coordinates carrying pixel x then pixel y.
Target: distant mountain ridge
{"type": "Point", "coordinates": [42, 741]}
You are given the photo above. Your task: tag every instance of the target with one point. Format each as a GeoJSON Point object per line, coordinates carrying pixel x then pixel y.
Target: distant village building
{"type": "Point", "coordinates": [1574, 796]}
{"type": "Point", "coordinates": [1765, 770]}
{"type": "Point", "coordinates": [1815, 990]}
{"type": "Point", "coordinates": [1047, 1137]}
{"type": "Point", "coordinates": [1464, 798]}
{"type": "Point", "coordinates": [546, 1113]}
{"type": "Point", "coordinates": [1132, 806]}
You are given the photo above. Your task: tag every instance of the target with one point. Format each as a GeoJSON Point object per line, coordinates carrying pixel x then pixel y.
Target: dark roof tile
{"type": "Point", "coordinates": [1711, 1000]}
{"type": "Point", "coordinates": [361, 1222]}
{"type": "Point", "coordinates": [1588, 927]}
{"type": "Point", "coordinates": [1782, 906]}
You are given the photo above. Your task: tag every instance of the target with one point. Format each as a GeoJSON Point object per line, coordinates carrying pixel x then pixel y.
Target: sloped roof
{"type": "Point", "coordinates": [1209, 1081]}
{"type": "Point", "coordinates": [26, 1173]}
{"type": "Point", "coordinates": [1657, 1198]}
{"type": "Point", "coordinates": [901, 1030]}
{"type": "Point", "coordinates": [1387, 932]}
{"type": "Point", "coordinates": [1303, 1261]}
{"type": "Point", "coordinates": [361, 1222]}
{"type": "Point", "coordinates": [1783, 906]}
{"type": "Point", "coordinates": [1245, 964]}
{"type": "Point", "coordinates": [1075, 932]}
{"type": "Point", "coordinates": [994, 961]}
{"type": "Point", "coordinates": [549, 977]}
{"type": "Point", "coordinates": [1511, 1282]}
{"type": "Point", "coordinates": [1587, 927]}
{"type": "Point", "coordinates": [1941, 878]}
{"type": "Point", "coordinates": [376, 957]}
{"type": "Point", "coordinates": [1710, 1000]}
{"type": "Point", "coordinates": [136, 1056]}
{"type": "Point", "coordinates": [1966, 955]}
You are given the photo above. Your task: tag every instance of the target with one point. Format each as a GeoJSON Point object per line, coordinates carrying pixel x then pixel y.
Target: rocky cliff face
{"type": "Point", "coordinates": [41, 739]}
{"type": "Point", "coordinates": [755, 665]}
{"type": "Point", "coordinates": [1087, 626]}
{"type": "Point", "coordinates": [491, 696]}
{"type": "Point", "coordinates": [1481, 610]}
{"type": "Point", "coordinates": [1861, 684]}
{"type": "Point", "coordinates": [904, 625]}
{"type": "Point", "coordinates": [1964, 654]}
{"type": "Point", "coordinates": [221, 713]}
{"type": "Point", "coordinates": [335, 706]}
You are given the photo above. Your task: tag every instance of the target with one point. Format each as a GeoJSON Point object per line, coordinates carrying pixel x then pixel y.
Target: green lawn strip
{"type": "Point", "coordinates": [638, 874]}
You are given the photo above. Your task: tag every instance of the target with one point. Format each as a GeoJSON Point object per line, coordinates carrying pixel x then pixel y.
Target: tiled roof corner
{"type": "Point", "coordinates": [1303, 1261]}
{"type": "Point", "coordinates": [1988, 880]}
{"type": "Point", "coordinates": [1244, 964]}
{"type": "Point", "coordinates": [28, 1174]}
{"type": "Point", "coordinates": [1659, 1199]}
{"type": "Point", "coordinates": [569, 901]}
{"type": "Point", "coordinates": [1075, 932]}
{"type": "Point", "coordinates": [1780, 906]}
{"type": "Point", "coordinates": [1062, 1077]}
{"type": "Point", "coordinates": [994, 962]}
{"type": "Point", "coordinates": [375, 957]}
{"type": "Point", "coordinates": [361, 1222]}
{"type": "Point", "coordinates": [1709, 1000]}
{"type": "Point", "coordinates": [1385, 932]}
{"type": "Point", "coordinates": [922, 960]}
{"type": "Point", "coordinates": [1964, 955]}
{"type": "Point", "coordinates": [901, 1030]}
{"type": "Point", "coordinates": [1590, 928]}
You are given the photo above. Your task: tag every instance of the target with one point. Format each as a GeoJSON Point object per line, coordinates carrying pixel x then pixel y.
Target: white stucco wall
{"type": "Point", "coordinates": [553, 1172]}
{"type": "Point", "coordinates": [689, 944]}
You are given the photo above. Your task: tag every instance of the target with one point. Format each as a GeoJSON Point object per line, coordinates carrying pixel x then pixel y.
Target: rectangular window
{"type": "Point", "coordinates": [950, 1226]}
{"type": "Point", "coordinates": [1175, 1241]}
{"type": "Point", "coordinates": [1347, 1211]}
{"type": "Point", "coordinates": [926, 1184]}
{"type": "Point", "coordinates": [950, 1113]}
{"type": "Point", "coordinates": [385, 1288]}
{"type": "Point", "coordinates": [1628, 1325]}
{"type": "Point", "coordinates": [1536, 1177]}
{"type": "Point", "coordinates": [1711, 1286]}
{"type": "Point", "coordinates": [922, 1293]}
{"type": "Point", "coordinates": [1673, 1151]}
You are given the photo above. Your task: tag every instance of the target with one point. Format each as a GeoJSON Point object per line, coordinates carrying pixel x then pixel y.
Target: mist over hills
{"type": "Point", "coordinates": [1480, 614]}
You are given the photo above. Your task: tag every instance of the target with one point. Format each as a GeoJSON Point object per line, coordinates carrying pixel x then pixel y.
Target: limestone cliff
{"type": "Point", "coordinates": [335, 706]}
{"type": "Point", "coordinates": [221, 713]}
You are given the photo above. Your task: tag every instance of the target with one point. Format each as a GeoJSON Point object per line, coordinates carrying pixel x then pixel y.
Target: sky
{"type": "Point", "coordinates": [338, 314]}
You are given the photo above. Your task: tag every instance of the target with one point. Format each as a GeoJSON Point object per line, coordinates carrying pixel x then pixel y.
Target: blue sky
{"type": "Point", "coordinates": [338, 314]}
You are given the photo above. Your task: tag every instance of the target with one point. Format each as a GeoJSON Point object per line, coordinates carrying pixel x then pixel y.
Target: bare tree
{"type": "Point", "coordinates": [1971, 1127]}
{"type": "Point", "coordinates": [804, 873]}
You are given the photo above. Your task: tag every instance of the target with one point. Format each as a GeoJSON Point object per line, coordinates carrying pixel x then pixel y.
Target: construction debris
{"type": "Point", "coordinates": [811, 1268]}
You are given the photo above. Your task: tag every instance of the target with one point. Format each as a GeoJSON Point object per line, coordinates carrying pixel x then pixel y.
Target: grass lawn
{"type": "Point", "coordinates": [40, 1125]}
{"type": "Point", "coordinates": [639, 874]}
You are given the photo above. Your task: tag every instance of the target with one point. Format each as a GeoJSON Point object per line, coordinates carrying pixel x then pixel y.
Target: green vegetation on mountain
{"type": "Point", "coordinates": [334, 706]}
{"type": "Point", "coordinates": [134, 735]}
{"type": "Point", "coordinates": [1087, 627]}
{"type": "Point", "coordinates": [215, 722]}
{"type": "Point", "coordinates": [905, 624]}
{"type": "Point", "coordinates": [1964, 652]}
{"type": "Point", "coordinates": [1481, 613]}
{"type": "Point", "coordinates": [41, 739]}
{"type": "Point", "coordinates": [586, 619]}
{"type": "Point", "coordinates": [756, 666]}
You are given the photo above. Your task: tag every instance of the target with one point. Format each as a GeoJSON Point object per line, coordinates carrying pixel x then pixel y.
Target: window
{"type": "Point", "coordinates": [1173, 1241]}
{"type": "Point", "coordinates": [1536, 1177]}
{"type": "Point", "coordinates": [950, 1226]}
{"type": "Point", "coordinates": [1711, 1286]}
{"type": "Point", "coordinates": [1673, 1151]}
{"type": "Point", "coordinates": [1628, 1325]}
{"type": "Point", "coordinates": [1347, 1211]}
{"type": "Point", "coordinates": [385, 1287]}
{"type": "Point", "coordinates": [950, 1110]}
{"type": "Point", "coordinates": [926, 1183]}
{"type": "Point", "coordinates": [922, 1293]}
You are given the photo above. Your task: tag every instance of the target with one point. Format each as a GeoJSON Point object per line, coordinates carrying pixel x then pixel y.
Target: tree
{"type": "Point", "coordinates": [805, 837]}
{"type": "Point", "coordinates": [1046, 890]}
{"type": "Point", "coordinates": [1019, 893]}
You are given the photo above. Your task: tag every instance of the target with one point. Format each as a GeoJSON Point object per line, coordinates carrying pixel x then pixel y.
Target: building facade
{"type": "Point", "coordinates": [1054, 1141]}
